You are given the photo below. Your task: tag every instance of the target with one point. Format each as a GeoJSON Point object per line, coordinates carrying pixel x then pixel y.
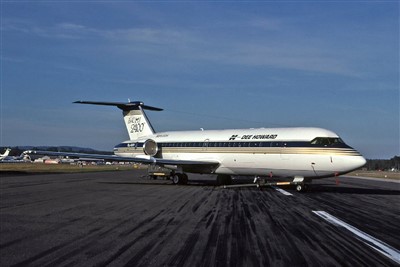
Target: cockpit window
{"type": "Point", "coordinates": [327, 141]}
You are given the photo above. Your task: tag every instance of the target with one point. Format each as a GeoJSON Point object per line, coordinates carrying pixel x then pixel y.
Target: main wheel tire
{"type": "Point", "coordinates": [177, 178]}
{"type": "Point", "coordinates": [180, 178]}
{"type": "Point", "coordinates": [184, 178]}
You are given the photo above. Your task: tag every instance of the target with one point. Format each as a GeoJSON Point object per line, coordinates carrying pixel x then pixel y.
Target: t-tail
{"type": "Point", "coordinates": [6, 153]}
{"type": "Point", "coordinates": [136, 121]}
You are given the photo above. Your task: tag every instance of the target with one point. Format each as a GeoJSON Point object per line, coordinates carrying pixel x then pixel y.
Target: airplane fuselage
{"type": "Point", "coordinates": [301, 153]}
{"type": "Point", "coordinates": [275, 152]}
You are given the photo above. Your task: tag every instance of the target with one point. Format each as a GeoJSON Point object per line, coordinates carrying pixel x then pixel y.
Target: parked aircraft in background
{"type": "Point", "coordinates": [298, 153]}
{"type": "Point", "coordinates": [5, 154]}
{"type": "Point", "coordinates": [5, 158]}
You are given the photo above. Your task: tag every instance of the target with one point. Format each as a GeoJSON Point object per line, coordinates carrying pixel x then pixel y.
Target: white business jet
{"type": "Point", "coordinates": [300, 154]}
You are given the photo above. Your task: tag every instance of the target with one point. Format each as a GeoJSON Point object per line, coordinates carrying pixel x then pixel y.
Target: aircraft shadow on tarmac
{"type": "Point", "coordinates": [315, 189]}
{"type": "Point", "coordinates": [192, 182]}
{"type": "Point", "coordinates": [164, 183]}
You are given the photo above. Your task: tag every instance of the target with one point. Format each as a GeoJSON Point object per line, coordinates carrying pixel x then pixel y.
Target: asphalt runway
{"type": "Point", "coordinates": [123, 219]}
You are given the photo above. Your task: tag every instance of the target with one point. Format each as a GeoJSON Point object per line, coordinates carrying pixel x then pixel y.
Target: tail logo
{"type": "Point", "coordinates": [135, 125]}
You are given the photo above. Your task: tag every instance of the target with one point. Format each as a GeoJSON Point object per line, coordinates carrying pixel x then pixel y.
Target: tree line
{"type": "Point", "coordinates": [383, 164]}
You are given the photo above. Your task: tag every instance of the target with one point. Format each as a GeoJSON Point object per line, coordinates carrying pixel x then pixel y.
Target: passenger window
{"type": "Point", "coordinates": [275, 144]}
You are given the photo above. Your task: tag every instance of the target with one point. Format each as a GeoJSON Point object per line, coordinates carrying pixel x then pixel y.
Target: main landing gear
{"type": "Point", "coordinates": [179, 178]}
{"type": "Point", "coordinates": [301, 184]}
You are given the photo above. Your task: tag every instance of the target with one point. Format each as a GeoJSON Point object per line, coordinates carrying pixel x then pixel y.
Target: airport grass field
{"type": "Point", "coordinates": [32, 168]}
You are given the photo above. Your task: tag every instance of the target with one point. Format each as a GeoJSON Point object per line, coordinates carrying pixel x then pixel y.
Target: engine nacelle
{"type": "Point", "coordinates": [150, 147]}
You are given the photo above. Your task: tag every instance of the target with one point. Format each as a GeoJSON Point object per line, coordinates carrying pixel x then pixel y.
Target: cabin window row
{"type": "Point", "coordinates": [317, 142]}
{"type": "Point", "coordinates": [224, 144]}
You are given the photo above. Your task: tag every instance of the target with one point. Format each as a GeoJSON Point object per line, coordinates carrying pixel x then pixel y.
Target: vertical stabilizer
{"type": "Point", "coordinates": [136, 121]}
{"type": "Point", "coordinates": [6, 153]}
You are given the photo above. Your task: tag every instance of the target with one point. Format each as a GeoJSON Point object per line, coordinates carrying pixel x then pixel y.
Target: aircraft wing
{"type": "Point", "coordinates": [186, 165]}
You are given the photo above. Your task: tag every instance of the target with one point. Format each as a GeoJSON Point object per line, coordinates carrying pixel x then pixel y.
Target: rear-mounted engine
{"type": "Point", "coordinates": [150, 147]}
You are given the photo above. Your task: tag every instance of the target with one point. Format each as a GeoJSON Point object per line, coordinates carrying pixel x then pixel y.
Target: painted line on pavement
{"type": "Point", "coordinates": [286, 193]}
{"type": "Point", "coordinates": [371, 241]}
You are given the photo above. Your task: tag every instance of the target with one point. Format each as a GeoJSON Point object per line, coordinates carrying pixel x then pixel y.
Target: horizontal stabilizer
{"type": "Point", "coordinates": [124, 106]}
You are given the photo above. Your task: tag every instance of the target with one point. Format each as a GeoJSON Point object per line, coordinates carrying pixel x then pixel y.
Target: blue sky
{"type": "Point", "coordinates": [213, 65]}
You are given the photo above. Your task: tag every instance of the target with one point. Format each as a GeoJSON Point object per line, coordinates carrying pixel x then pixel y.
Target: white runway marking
{"type": "Point", "coordinates": [286, 193]}
{"type": "Point", "coordinates": [371, 241]}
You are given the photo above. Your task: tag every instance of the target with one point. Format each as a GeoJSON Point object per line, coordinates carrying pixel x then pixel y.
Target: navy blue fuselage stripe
{"type": "Point", "coordinates": [304, 144]}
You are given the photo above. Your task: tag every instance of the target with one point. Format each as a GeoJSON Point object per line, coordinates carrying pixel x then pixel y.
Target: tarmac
{"type": "Point", "coordinates": [124, 219]}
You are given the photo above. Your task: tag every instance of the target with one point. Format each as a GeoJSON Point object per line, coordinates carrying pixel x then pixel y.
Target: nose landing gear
{"type": "Point", "coordinates": [302, 187]}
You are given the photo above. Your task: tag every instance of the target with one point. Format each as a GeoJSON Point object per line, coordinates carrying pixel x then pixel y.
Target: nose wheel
{"type": "Point", "coordinates": [302, 187]}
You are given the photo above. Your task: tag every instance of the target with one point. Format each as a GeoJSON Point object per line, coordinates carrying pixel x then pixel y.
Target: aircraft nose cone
{"type": "Point", "coordinates": [359, 162]}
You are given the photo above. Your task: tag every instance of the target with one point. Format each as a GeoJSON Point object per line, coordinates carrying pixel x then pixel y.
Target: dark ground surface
{"type": "Point", "coordinates": [121, 219]}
